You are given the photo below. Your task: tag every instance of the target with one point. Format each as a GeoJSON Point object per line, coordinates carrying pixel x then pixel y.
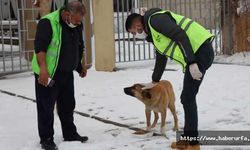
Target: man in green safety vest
{"type": "Point", "coordinates": [59, 50]}
{"type": "Point", "coordinates": [186, 42]}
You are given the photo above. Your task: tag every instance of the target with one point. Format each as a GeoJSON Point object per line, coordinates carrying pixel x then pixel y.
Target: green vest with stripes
{"type": "Point", "coordinates": [196, 33]}
{"type": "Point", "coordinates": [53, 51]}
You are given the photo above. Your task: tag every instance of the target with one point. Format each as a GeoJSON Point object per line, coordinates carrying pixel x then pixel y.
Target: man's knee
{"type": "Point", "coordinates": [66, 108]}
{"type": "Point", "coordinates": [188, 97]}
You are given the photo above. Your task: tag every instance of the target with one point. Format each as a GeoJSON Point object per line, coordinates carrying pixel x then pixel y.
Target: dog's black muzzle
{"type": "Point", "coordinates": [128, 91]}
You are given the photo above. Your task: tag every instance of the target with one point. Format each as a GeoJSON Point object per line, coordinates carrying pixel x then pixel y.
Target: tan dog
{"type": "Point", "coordinates": [157, 98]}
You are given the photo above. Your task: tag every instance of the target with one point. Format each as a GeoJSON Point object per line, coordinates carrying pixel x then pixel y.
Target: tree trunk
{"type": "Point", "coordinates": [241, 24]}
{"type": "Point", "coordinates": [235, 22]}
{"type": "Point", "coordinates": [226, 27]}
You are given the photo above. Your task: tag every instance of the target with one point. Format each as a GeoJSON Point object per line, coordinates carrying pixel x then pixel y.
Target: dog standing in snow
{"type": "Point", "coordinates": [157, 98]}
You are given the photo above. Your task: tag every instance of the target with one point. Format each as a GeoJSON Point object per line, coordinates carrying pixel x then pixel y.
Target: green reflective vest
{"type": "Point", "coordinates": [165, 46]}
{"type": "Point", "coordinates": [53, 51]}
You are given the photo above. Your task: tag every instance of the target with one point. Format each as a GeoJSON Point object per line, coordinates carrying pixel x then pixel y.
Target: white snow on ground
{"type": "Point", "coordinates": [223, 104]}
{"type": "Point", "coordinates": [18, 131]}
{"type": "Point", "coordinates": [242, 58]}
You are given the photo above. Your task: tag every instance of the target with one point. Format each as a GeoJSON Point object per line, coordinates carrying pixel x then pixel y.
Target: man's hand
{"type": "Point", "coordinates": [43, 76]}
{"type": "Point", "coordinates": [36, 3]}
{"type": "Point", "coordinates": [83, 73]}
{"type": "Point", "coordinates": [195, 71]}
{"type": "Point", "coordinates": [154, 82]}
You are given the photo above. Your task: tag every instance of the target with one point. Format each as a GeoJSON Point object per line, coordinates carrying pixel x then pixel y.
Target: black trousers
{"type": "Point", "coordinates": [61, 93]}
{"type": "Point", "coordinates": [204, 58]}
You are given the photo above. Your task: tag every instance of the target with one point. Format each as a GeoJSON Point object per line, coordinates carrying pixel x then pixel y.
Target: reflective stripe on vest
{"type": "Point", "coordinates": [172, 42]}
{"type": "Point", "coordinates": [185, 29]}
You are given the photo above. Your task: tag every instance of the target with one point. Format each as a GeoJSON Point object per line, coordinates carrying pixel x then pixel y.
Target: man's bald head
{"type": "Point", "coordinates": [75, 7]}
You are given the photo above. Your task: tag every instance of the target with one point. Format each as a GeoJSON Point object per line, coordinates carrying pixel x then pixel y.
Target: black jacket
{"type": "Point", "coordinates": [165, 24]}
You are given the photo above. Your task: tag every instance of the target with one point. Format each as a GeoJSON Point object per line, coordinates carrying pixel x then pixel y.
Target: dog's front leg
{"type": "Point", "coordinates": [155, 120]}
{"type": "Point", "coordinates": [148, 117]}
{"type": "Point", "coordinates": [163, 119]}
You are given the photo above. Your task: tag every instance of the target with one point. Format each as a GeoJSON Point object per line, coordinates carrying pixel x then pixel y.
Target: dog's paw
{"type": "Point", "coordinates": [148, 128]}
{"type": "Point", "coordinates": [153, 126]}
{"type": "Point", "coordinates": [163, 131]}
{"type": "Point", "coordinates": [175, 128]}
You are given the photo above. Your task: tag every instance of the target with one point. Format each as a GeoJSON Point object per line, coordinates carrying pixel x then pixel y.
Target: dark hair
{"type": "Point", "coordinates": [75, 7]}
{"type": "Point", "coordinates": [131, 19]}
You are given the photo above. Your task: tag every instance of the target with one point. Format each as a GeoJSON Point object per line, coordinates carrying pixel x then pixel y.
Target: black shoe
{"type": "Point", "coordinates": [48, 144]}
{"type": "Point", "coordinates": [77, 137]}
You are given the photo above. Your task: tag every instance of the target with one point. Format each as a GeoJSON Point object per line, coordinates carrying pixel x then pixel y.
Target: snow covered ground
{"type": "Point", "coordinates": [242, 58]}
{"type": "Point", "coordinates": [223, 104]}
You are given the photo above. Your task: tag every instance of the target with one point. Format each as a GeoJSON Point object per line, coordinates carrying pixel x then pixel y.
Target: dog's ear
{"type": "Point", "coordinates": [146, 93]}
{"type": "Point", "coordinates": [138, 85]}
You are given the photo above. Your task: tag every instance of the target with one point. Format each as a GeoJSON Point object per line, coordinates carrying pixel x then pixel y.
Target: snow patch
{"type": "Point", "coordinates": [242, 58]}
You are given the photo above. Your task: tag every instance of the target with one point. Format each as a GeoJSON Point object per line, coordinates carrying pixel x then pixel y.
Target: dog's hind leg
{"type": "Point", "coordinates": [155, 120]}
{"type": "Point", "coordinates": [148, 117]}
{"type": "Point", "coordinates": [173, 111]}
